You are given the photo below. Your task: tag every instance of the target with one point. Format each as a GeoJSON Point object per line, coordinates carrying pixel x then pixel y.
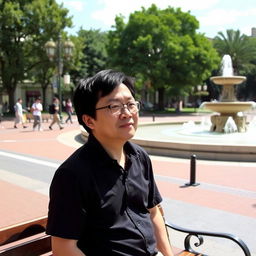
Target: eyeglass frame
{"type": "Point", "coordinates": [137, 103]}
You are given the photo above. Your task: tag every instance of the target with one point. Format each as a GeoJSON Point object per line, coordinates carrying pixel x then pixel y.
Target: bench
{"type": "Point", "coordinates": [29, 239]}
{"type": "Point", "coordinates": [26, 239]}
{"type": "Point", "coordinates": [45, 117]}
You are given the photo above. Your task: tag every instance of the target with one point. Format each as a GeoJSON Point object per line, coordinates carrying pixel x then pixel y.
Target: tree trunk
{"type": "Point", "coordinates": [11, 99]}
{"type": "Point", "coordinates": [178, 106]}
{"type": "Point", "coordinates": [10, 85]}
{"type": "Point", "coordinates": [44, 97]}
{"type": "Point", "coordinates": [161, 104]}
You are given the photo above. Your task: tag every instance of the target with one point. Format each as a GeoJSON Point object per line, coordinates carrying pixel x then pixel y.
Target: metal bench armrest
{"type": "Point", "coordinates": [199, 235]}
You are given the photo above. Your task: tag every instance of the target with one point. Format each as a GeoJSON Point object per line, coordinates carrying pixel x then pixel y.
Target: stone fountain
{"type": "Point", "coordinates": [230, 117]}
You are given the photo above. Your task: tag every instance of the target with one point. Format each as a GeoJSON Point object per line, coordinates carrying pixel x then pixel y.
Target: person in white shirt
{"type": "Point", "coordinates": [19, 114]}
{"type": "Point", "coordinates": [36, 110]}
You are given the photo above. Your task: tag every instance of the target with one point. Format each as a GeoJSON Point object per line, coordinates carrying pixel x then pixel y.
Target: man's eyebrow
{"type": "Point", "coordinates": [118, 100]}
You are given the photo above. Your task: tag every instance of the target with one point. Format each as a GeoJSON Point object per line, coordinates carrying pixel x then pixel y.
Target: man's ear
{"type": "Point", "coordinates": [89, 121]}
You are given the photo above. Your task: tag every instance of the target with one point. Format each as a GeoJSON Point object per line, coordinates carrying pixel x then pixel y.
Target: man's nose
{"type": "Point", "coordinates": [125, 111]}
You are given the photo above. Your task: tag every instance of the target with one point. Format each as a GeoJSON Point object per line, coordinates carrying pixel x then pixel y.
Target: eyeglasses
{"type": "Point", "coordinates": [117, 108]}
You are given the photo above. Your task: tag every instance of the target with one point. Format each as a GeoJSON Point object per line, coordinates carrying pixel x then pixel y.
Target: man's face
{"type": "Point", "coordinates": [115, 128]}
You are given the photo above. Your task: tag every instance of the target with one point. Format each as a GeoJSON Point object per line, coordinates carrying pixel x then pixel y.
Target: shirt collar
{"type": "Point", "coordinates": [99, 153]}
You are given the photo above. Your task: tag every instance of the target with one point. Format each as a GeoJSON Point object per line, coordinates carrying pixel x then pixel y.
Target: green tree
{"type": "Point", "coordinates": [237, 45]}
{"type": "Point", "coordinates": [247, 91]}
{"type": "Point", "coordinates": [94, 52]}
{"type": "Point", "coordinates": [163, 47]}
{"type": "Point", "coordinates": [74, 65]}
{"type": "Point", "coordinates": [25, 26]}
{"type": "Point", "coordinates": [242, 50]}
{"type": "Point", "coordinates": [44, 71]}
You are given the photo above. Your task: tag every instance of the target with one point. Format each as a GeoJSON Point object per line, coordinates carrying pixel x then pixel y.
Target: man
{"type": "Point", "coordinates": [55, 114]}
{"type": "Point", "coordinates": [18, 114]}
{"type": "Point", "coordinates": [103, 198]}
{"type": "Point", "coordinates": [36, 109]}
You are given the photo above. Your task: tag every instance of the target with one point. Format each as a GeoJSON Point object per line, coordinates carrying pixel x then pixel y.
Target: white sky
{"type": "Point", "coordinates": [213, 15]}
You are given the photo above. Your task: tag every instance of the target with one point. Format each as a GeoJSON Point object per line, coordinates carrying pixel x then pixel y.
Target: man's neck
{"type": "Point", "coordinates": [115, 150]}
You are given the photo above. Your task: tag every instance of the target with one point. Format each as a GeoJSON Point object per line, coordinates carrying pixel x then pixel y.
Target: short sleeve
{"type": "Point", "coordinates": [67, 213]}
{"type": "Point", "coordinates": [154, 196]}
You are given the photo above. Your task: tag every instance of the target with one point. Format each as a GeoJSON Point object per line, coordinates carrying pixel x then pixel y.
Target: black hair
{"type": "Point", "coordinates": [91, 89]}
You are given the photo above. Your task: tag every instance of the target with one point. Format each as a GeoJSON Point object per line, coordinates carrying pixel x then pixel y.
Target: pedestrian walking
{"type": "Point", "coordinates": [69, 110]}
{"type": "Point", "coordinates": [19, 118]}
{"type": "Point", "coordinates": [54, 110]}
{"type": "Point", "coordinates": [36, 109]}
{"type": "Point", "coordinates": [1, 112]}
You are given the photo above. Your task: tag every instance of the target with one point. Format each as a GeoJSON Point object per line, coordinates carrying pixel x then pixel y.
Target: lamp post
{"type": "Point", "coordinates": [55, 51]}
{"type": "Point", "coordinates": [201, 90]}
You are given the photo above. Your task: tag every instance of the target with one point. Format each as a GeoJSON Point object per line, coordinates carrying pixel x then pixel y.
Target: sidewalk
{"type": "Point", "coordinates": [224, 201]}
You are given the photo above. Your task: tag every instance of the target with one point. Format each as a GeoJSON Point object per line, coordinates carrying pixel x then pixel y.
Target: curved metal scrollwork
{"type": "Point", "coordinates": [187, 242]}
{"type": "Point", "coordinates": [199, 235]}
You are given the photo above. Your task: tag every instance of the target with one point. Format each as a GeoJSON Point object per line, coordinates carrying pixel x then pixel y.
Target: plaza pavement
{"type": "Point", "coordinates": [225, 200]}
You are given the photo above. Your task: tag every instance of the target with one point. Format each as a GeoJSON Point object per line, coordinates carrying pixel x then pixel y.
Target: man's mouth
{"type": "Point", "coordinates": [126, 125]}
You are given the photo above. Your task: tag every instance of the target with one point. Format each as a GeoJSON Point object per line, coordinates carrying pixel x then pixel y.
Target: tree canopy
{"type": "Point", "coordinates": [94, 51]}
{"type": "Point", "coordinates": [163, 47]}
{"type": "Point", "coordinates": [242, 50]}
{"type": "Point", "coordinates": [240, 47]}
{"type": "Point", "coordinates": [25, 26]}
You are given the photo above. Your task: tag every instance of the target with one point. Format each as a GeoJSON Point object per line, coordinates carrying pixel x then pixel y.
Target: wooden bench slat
{"type": "Point", "coordinates": [34, 245]}
{"type": "Point", "coordinates": [47, 254]}
{"type": "Point", "coordinates": [16, 231]}
{"type": "Point", "coordinates": [185, 253]}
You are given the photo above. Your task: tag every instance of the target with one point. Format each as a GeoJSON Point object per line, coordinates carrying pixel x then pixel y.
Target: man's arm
{"type": "Point", "coordinates": [65, 247]}
{"type": "Point", "coordinates": [162, 241]}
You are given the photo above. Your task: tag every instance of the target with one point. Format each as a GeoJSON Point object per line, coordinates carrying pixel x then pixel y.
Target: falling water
{"type": "Point", "coordinates": [230, 126]}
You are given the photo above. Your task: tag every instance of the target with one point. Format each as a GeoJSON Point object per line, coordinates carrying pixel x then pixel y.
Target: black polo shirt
{"type": "Point", "coordinates": [103, 206]}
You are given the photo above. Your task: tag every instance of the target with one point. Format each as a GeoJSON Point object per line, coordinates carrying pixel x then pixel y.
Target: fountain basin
{"type": "Point", "coordinates": [170, 139]}
{"type": "Point", "coordinates": [228, 108]}
{"type": "Point", "coordinates": [228, 80]}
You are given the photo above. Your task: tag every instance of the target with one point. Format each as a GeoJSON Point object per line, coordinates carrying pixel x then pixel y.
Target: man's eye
{"type": "Point", "coordinates": [115, 106]}
{"type": "Point", "coordinates": [131, 104]}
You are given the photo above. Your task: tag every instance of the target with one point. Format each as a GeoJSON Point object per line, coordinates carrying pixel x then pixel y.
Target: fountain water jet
{"type": "Point", "coordinates": [228, 107]}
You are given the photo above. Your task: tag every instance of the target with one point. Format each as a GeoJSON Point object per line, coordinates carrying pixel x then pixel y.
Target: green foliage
{"type": "Point", "coordinates": [75, 64]}
{"type": "Point", "coordinates": [242, 50]}
{"type": "Point", "coordinates": [239, 46]}
{"type": "Point", "coordinates": [94, 51]}
{"type": "Point", "coordinates": [162, 46]}
{"type": "Point", "coordinates": [25, 26]}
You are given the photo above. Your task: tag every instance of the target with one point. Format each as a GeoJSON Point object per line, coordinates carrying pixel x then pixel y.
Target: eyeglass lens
{"type": "Point", "coordinates": [132, 107]}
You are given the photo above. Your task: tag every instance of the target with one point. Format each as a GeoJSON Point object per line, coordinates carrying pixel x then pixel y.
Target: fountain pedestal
{"type": "Point", "coordinates": [220, 121]}
{"type": "Point", "coordinates": [228, 107]}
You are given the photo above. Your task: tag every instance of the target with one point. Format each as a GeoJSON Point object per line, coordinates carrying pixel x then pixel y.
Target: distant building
{"type": "Point", "coordinates": [253, 32]}
{"type": "Point", "coordinates": [28, 91]}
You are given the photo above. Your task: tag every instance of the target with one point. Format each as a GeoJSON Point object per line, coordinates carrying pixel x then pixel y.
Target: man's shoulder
{"type": "Point", "coordinates": [77, 165]}
{"type": "Point", "coordinates": [78, 159]}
